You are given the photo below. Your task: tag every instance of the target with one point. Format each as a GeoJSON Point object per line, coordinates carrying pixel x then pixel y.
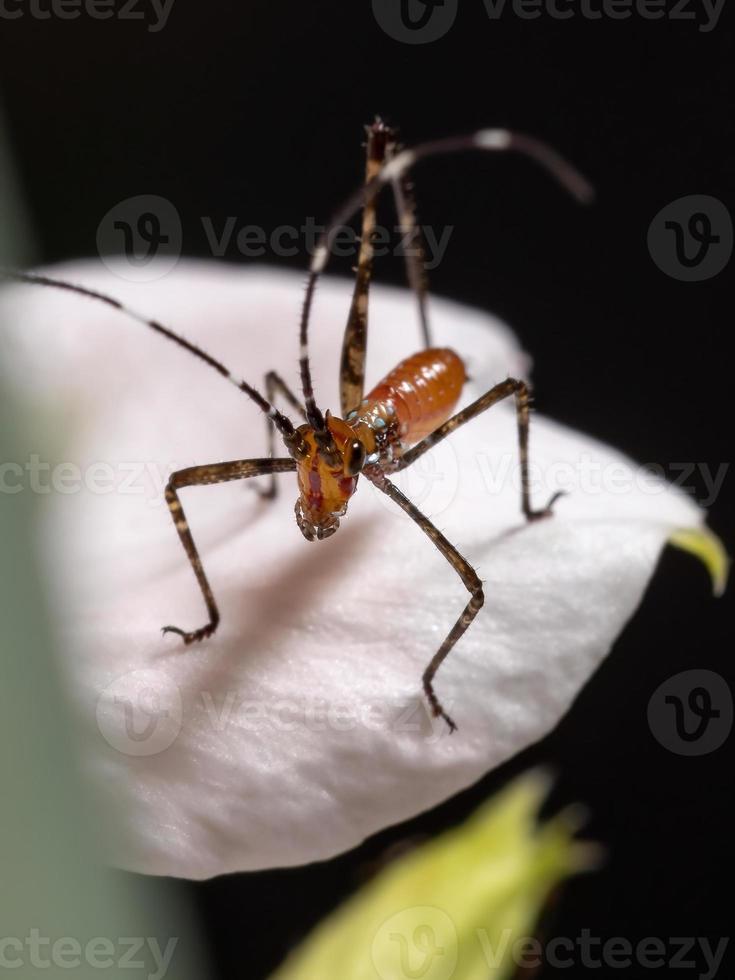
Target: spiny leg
{"type": "Point", "coordinates": [381, 148]}
{"type": "Point", "coordinates": [500, 391]}
{"type": "Point", "coordinates": [380, 139]}
{"type": "Point", "coordinates": [274, 384]}
{"type": "Point", "coordinates": [462, 567]}
{"type": "Point", "coordinates": [413, 250]}
{"type": "Point", "coordinates": [492, 140]}
{"type": "Point", "coordinates": [193, 476]}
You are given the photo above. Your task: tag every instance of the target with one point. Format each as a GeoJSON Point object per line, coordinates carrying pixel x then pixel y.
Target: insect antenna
{"type": "Point", "coordinates": [313, 414]}
{"type": "Point", "coordinates": [493, 140]}
{"type": "Point", "coordinates": [282, 422]}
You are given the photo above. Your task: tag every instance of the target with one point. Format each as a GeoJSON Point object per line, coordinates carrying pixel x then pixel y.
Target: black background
{"type": "Point", "coordinates": [255, 110]}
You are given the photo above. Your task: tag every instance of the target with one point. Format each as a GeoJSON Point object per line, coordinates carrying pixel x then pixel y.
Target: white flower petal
{"type": "Point", "coordinates": [300, 728]}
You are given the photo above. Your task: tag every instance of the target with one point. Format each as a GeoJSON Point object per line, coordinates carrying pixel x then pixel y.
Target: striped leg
{"type": "Point", "coordinates": [413, 247]}
{"type": "Point", "coordinates": [196, 476]}
{"type": "Point", "coordinates": [461, 566]}
{"type": "Point", "coordinates": [496, 394]}
{"type": "Point", "coordinates": [274, 384]}
{"type": "Point", "coordinates": [485, 140]}
{"type": "Point", "coordinates": [380, 139]}
{"type": "Point", "coordinates": [381, 147]}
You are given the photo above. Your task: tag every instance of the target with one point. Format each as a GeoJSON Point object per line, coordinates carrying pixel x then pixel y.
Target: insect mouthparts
{"type": "Point", "coordinates": [312, 531]}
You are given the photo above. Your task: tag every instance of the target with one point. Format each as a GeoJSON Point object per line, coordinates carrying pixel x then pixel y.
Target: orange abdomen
{"type": "Point", "coordinates": [423, 390]}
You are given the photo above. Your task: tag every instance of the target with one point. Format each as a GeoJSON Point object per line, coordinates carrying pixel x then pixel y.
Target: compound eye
{"type": "Point", "coordinates": [296, 446]}
{"type": "Point", "coordinates": [355, 458]}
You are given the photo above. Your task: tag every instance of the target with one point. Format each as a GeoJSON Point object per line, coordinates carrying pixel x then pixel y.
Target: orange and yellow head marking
{"type": "Point", "coordinates": [328, 480]}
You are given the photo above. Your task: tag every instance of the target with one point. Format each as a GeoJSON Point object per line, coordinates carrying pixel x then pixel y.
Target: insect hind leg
{"type": "Point", "coordinates": [414, 252]}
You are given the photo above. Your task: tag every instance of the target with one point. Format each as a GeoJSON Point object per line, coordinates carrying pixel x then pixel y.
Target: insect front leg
{"type": "Point", "coordinates": [195, 476]}
{"type": "Point", "coordinates": [274, 384]}
{"type": "Point", "coordinates": [496, 394]}
{"type": "Point", "coordinates": [461, 566]}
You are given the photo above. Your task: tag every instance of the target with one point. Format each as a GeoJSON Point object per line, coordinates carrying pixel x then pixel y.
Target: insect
{"type": "Point", "coordinates": [377, 433]}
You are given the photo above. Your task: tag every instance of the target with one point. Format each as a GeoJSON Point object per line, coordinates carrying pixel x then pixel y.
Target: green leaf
{"type": "Point", "coordinates": [457, 907]}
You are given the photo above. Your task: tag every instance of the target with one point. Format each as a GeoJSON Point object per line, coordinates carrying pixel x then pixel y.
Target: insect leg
{"type": "Point", "coordinates": [274, 384]}
{"type": "Point", "coordinates": [380, 140]}
{"type": "Point", "coordinates": [497, 393]}
{"type": "Point", "coordinates": [414, 253]}
{"type": "Point", "coordinates": [195, 476]}
{"type": "Point", "coordinates": [462, 567]}
{"type": "Point", "coordinates": [492, 140]}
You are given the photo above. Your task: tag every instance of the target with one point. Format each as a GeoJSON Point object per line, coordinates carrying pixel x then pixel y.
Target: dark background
{"type": "Point", "coordinates": [255, 109]}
